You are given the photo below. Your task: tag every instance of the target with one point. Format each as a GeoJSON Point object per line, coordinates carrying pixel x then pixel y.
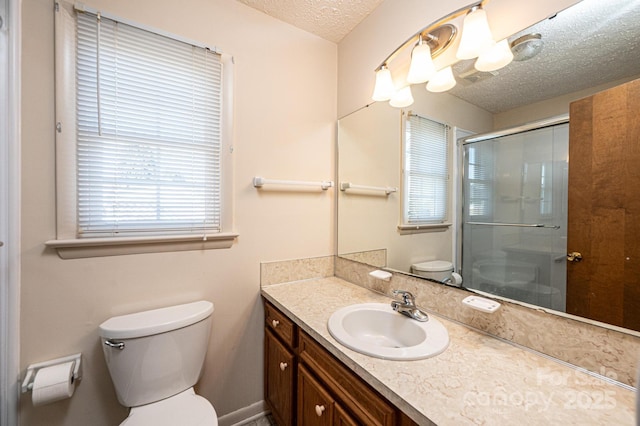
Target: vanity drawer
{"type": "Point", "coordinates": [282, 326]}
{"type": "Point", "coordinates": [367, 406]}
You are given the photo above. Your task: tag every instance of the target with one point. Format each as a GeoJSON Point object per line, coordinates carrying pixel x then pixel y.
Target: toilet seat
{"type": "Point", "coordinates": [433, 266]}
{"type": "Point", "coordinates": [185, 409]}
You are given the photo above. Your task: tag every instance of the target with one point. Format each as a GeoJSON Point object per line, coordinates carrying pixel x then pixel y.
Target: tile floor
{"type": "Point", "coordinates": [263, 421]}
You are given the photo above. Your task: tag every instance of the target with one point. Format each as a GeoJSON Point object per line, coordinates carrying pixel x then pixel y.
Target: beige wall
{"type": "Point", "coordinates": [370, 153]}
{"type": "Point", "coordinates": [285, 128]}
{"type": "Point", "coordinates": [548, 108]}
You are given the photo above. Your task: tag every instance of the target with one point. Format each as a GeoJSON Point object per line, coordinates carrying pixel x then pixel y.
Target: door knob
{"type": "Point", "coordinates": [319, 410]}
{"type": "Point", "coordinates": [574, 256]}
{"type": "Point", "coordinates": [283, 366]}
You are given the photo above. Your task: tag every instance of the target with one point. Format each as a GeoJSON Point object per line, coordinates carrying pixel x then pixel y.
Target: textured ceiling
{"type": "Point", "coordinates": [593, 42]}
{"type": "Point", "coordinates": [329, 19]}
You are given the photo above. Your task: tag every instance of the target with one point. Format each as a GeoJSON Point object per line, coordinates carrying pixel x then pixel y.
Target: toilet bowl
{"type": "Point", "coordinates": [439, 270]}
{"type": "Point", "coordinates": [155, 358]}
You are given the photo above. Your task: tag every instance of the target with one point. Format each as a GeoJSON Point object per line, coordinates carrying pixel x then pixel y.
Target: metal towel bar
{"type": "Point", "coordinates": [521, 225]}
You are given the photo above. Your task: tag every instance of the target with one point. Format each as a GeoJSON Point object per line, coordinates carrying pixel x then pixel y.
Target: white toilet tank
{"type": "Point", "coordinates": [156, 354]}
{"type": "Point", "coordinates": [438, 270]}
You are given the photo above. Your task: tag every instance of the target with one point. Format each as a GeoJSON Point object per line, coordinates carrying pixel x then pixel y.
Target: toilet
{"type": "Point", "coordinates": [439, 270]}
{"type": "Point", "coordinates": [155, 358]}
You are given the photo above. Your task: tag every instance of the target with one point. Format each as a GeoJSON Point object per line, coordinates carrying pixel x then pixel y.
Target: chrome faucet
{"type": "Point", "coordinates": [408, 306]}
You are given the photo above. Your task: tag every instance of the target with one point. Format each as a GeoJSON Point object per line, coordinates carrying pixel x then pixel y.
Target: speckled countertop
{"type": "Point", "coordinates": [478, 380]}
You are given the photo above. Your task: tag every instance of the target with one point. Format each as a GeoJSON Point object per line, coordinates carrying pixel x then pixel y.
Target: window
{"type": "Point", "coordinates": [479, 172]}
{"type": "Point", "coordinates": [142, 123]}
{"type": "Point", "coordinates": [426, 172]}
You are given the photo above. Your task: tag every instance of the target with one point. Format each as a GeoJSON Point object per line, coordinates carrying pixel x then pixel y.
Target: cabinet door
{"type": "Point", "coordinates": [365, 405]}
{"type": "Point", "coordinates": [342, 418]}
{"type": "Point", "coordinates": [279, 379]}
{"type": "Point", "coordinates": [315, 405]}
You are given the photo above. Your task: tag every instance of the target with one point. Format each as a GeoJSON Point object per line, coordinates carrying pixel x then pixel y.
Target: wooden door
{"type": "Point", "coordinates": [604, 206]}
{"type": "Point", "coordinates": [279, 379]}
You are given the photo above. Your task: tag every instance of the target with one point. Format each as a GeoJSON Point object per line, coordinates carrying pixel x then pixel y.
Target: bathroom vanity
{"type": "Point", "coordinates": [310, 379]}
{"type": "Point", "coordinates": [306, 385]}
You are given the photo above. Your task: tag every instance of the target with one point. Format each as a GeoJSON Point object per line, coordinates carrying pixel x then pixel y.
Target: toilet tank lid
{"type": "Point", "coordinates": [433, 266]}
{"type": "Point", "coordinates": [156, 321]}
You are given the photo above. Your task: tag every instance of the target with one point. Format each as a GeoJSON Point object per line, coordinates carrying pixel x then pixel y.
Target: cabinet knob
{"type": "Point", "coordinates": [275, 323]}
{"type": "Point", "coordinates": [319, 410]}
{"type": "Point", "coordinates": [283, 366]}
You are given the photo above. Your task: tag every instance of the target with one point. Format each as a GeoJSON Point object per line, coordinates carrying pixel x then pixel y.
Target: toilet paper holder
{"type": "Point", "coordinates": [32, 369]}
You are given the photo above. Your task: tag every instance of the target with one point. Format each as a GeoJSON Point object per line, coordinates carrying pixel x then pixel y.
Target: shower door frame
{"type": "Point", "coordinates": [10, 11]}
{"type": "Point", "coordinates": [534, 125]}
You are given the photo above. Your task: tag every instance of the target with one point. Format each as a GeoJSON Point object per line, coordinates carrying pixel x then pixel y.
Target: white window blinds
{"type": "Point", "coordinates": [479, 179]}
{"type": "Point", "coordinates": [148, 132]}
{"type": "Point", "coordinates": [426, 171]}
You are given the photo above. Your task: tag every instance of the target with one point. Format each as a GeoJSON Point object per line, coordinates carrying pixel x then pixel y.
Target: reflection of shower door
{"type": "Point", "coordinates": [515, 216]}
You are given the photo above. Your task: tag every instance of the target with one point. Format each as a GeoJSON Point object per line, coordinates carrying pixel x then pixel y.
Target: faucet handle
{"type": "Point", "coordinates": [407, 297]}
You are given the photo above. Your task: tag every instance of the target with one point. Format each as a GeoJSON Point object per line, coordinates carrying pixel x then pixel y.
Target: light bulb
{"type": "Point", "coordinates": [402, 98]}
{"type": "Point", "coordinates": [497, 57]}
{"type": "Point", "coordinates": [442, 81]}
{"type": "Point", "coordinates": [422, 68]}
{"type": "Point", "coordinates": [476, 35]}
{"type": "Point", "coordinates": [384, 89]}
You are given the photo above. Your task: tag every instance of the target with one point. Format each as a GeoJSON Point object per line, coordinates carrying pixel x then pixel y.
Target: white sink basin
{"type": "Point", "coordinates": [376, 330]}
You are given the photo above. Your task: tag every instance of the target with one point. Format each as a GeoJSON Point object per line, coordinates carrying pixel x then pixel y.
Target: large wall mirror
{"type": "Point", "coordinates": [585, 49]}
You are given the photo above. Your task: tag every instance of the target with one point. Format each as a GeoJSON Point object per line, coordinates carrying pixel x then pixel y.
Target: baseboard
{"type": "Point", "coordinates": [244, 415]}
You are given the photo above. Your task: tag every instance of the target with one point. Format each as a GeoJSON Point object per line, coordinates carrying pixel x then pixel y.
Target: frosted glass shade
{"type": "Point", "coordinates": [495, 58]}
{"type": "Point", "coordinates": [442, 81]}
{"type": "Point", "coordinates": [384, 89]}
{"type": "Point", "coordinates": [402, 98]}
{"type": "Point", "coordinates": [422, 68]}
{"type": "Point", "coordinates": [476, 35]}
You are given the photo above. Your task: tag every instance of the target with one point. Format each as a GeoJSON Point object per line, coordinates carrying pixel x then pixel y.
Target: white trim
{"type": "Point", "coordinates": [114, 246]}
{"type": "Point", "coordinates": [80, 7]}
{"type": "Point", "coordinates": [10, 223]}
{"type": "Point", "coordinates": [244, 415]}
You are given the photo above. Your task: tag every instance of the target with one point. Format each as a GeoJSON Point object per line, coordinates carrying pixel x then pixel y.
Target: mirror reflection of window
{"type": "Point", "coordinates": [425, 190]}
{"type": "Point", "coordinates": [480, 182]}
{"type": "Point", "coordinates": [546, 189]}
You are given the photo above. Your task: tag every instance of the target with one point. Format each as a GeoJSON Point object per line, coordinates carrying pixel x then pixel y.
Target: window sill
{"type": "Point", "coordinates": [115, 246]}
{"type": "Point", "coordinates": [430, 227]}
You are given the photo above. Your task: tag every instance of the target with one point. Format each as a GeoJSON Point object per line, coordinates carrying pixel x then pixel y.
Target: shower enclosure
{"type": "Point", "coordinates": [514, 218]}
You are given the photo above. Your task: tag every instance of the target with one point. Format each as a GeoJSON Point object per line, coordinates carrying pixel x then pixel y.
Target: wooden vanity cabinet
{"type": "Point", "coordinates": [280, 366]}
{"type": "Point", "coordinates": [365, 404]}
{"type": "Point", "coordinates": [316, 406]}
{"type": "Point", "coordinates": [319, 390]}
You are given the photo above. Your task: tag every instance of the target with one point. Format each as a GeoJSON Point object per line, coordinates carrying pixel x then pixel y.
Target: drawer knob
{"type": "Point", "coordinates": [283, 366]}
{"type": "Point", "coordinates": [275, 323]}
{"type": "Point", "coordinates": [319, 410]}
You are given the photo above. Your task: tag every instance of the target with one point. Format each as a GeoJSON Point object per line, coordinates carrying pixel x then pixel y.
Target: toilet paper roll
{"type": "Point", "coordinates": [53, 383]}
{"type": "Point", "coordinates": [456, 279]}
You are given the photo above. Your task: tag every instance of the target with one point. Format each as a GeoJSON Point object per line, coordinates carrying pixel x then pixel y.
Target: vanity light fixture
{"type": "Point", "coordinates": [402, 98]}
{"type": "Point", "coordinates": [497, 57]}
{"type": "Point", "coordinates": [476, 41]}
{"type": "Point", "coordinates": [442, 81]}
{"type": "Point", "coordinates": [476, 36]}
{"type": "Point", "coordinates": [384, 89]}
{"type": "Point", "coordinates": [426, 45]}
{"type": "Point", "coordinates": [422, 67]}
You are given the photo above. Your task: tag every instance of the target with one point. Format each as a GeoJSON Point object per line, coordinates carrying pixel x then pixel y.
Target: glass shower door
{"type": "Point", "coordinates": [515, 216]}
